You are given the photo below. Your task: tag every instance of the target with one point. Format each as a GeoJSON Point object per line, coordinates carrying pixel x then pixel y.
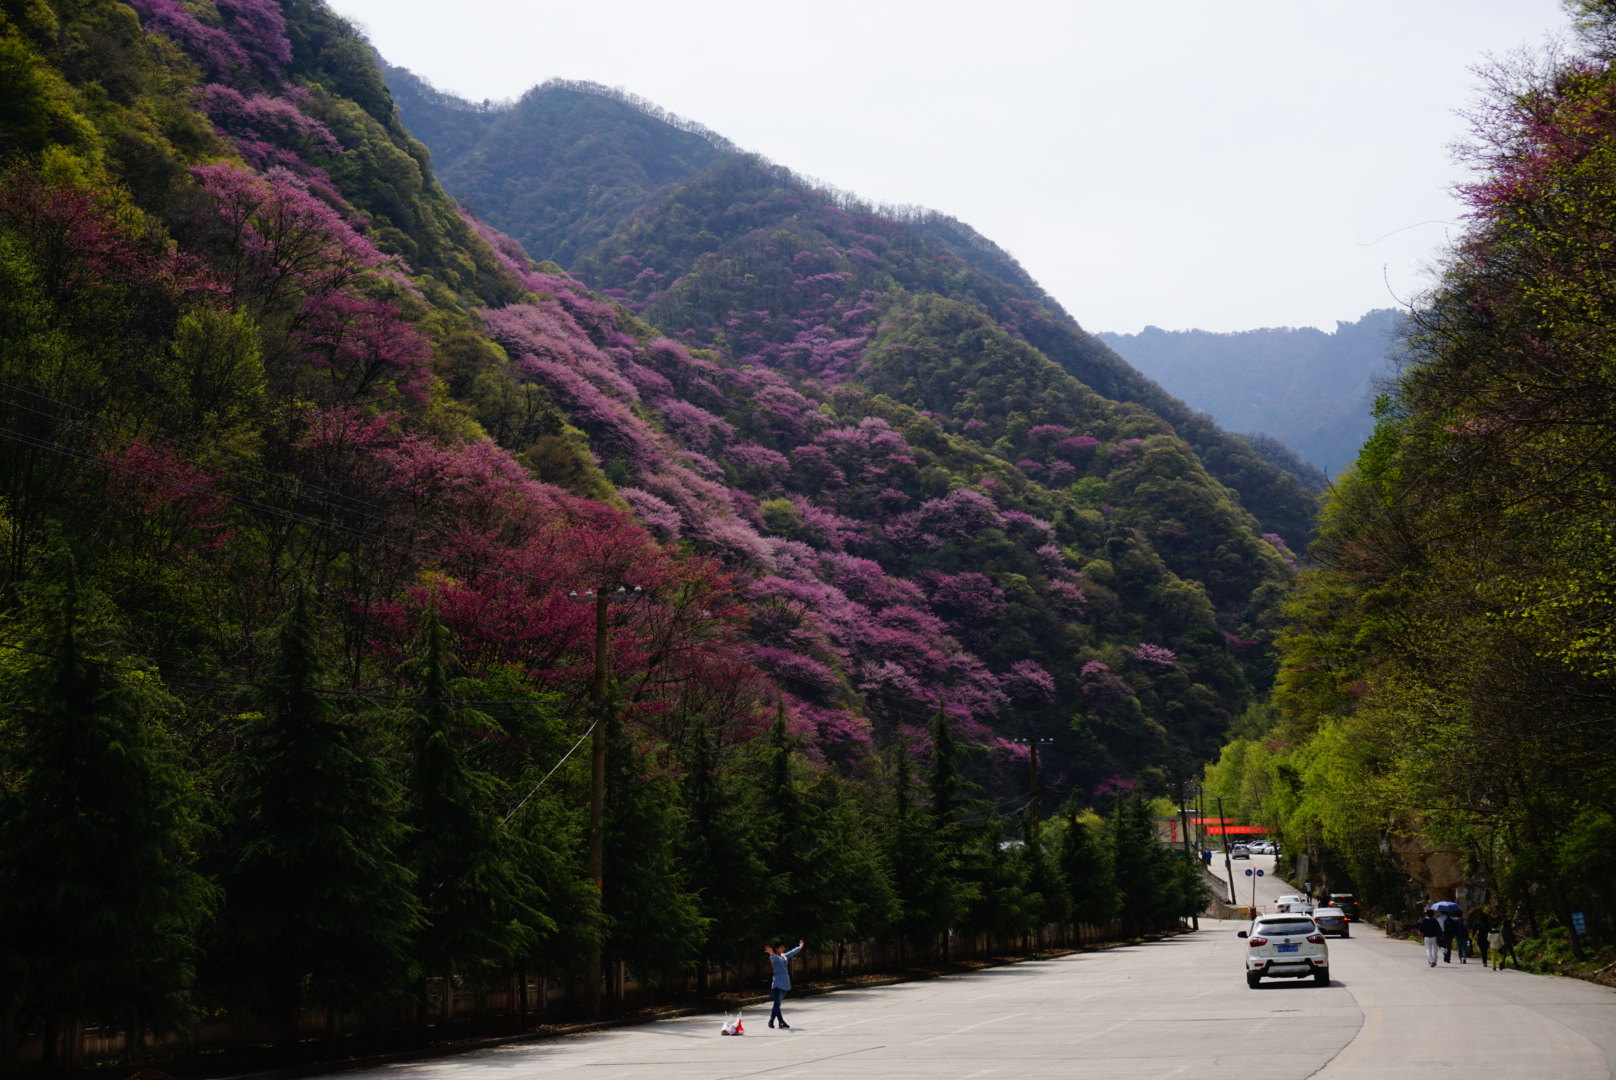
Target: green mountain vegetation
{"type": "Point", "coordinates": [1442, 718]}
{"type": "Point", "coordinates": [729, 251]}
{"type": "Point", "coordinates": [1309, 390]}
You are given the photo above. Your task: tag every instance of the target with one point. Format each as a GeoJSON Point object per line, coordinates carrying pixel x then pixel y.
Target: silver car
{"type": "Point", "coordinates": [1284, 945]}
{"type": "Point", "coordinates": [1332, 920]}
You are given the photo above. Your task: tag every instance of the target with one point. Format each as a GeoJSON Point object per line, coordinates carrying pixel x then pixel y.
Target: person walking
{"type": "Point", "coordinates": [1431, 931]}
{"type": "Point", "coordinates": [1446, 921]}
{"type": "Point", "coordinates": [1506, 942]}
{"type": "Point", "coordinates": [780, 981]}
{"type": "Point", "coordinates": [1481, 926]}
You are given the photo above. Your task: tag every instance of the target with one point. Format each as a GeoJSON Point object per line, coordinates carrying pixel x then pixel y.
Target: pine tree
{"type": "Point", "coordinates": [99, 906]}
{"type": "Point", "coordinates": [1088, 872]}
{"type": "Point", "coordinates": [833, 883]}
{"type": "Point", "coordinates": [723, 851]}
{"type": "Point", "coordinates": [925, 900]}
{"type": "Point", "coordinates": [318, 907]}
{"type": "Point", "coordinates": [1144, 878]}
{"type": "Point", "coordinates": [960, 846]}
{"type": "Point", "coordinates": [470, 879]}
{"type": "Point", "coordinates": [653, 922]}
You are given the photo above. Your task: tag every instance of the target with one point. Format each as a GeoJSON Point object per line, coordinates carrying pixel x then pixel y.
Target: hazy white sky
{"type": "Point", "coordinates": [1181, 163]}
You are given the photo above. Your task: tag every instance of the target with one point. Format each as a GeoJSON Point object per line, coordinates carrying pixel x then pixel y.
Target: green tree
{"type": "Point", "coordinates": [919, 878]}
{"type": "Point", "coordinates": [1088, 872]}
{"type": "Point", "coordinates": [654, 921]}
{"type": "Point", "coordinates": [475, 897]}
{"type": "Point", "coordinates": [723, 852]}
{"type": "Point", "coordinates": [318, 908]}
{"type": "Point", "coordinates": [832, 883]}
{"type": "Point", "coordinates": [1145, 884]}
{"type": "Point", "coordinates": [99, 903]}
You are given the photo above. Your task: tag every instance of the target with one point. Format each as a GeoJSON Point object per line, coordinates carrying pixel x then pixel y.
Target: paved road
{"type": "Point", "coordinates": [1176, 1008]}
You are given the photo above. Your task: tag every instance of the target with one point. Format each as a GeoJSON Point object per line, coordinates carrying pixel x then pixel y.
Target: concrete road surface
{"type": "Point", "coordinates": [1175, 1008]}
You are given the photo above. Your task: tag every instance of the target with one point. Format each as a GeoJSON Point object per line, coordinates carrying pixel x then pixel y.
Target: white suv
{"type": "Point", "coordinates": [1285, 946]}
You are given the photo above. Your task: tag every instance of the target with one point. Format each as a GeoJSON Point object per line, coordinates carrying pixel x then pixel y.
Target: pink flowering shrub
{"type": "Point", "coordinates": [1075, 450]}
{"type": "Point", "coordinates": [155, 483]}
{"type": "Point", "coordinates": [1154, 654]}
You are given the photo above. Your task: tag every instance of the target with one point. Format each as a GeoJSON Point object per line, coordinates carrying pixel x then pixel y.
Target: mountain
{"type": "Point", "coordinates": [1310, 390]}
{"type": "Point", "coordinates": [768, 274]}
{"type": "Point", "coordinates": [334, 525]}
{"type": "Point", "coordinates": [691, 251]}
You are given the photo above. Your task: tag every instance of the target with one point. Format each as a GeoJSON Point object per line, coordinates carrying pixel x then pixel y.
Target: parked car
{"type": "Point", "coordinates": [1285, 946]}
{"type": "Point", "coordinates": [1239, 851]}
{"type": "Point", "coordinates": [1293, 904]}
{"type": "Point", "coordinates": [1332, 920]}
{"type": "Point", "coordinates": [1261, 847]}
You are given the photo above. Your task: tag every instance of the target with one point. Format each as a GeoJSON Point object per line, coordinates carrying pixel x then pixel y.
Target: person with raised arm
{"type": "Point", "coordinates": [780, 981]}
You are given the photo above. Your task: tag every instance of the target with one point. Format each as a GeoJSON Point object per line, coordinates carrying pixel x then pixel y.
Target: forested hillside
{"type": "Point", "coordinates": [1449, 678]}
{"type": "Point", "coordinates": [335, 526]}
{"type": "Point", "coordinates": [726, 250]}
{"type": "Point", "coordinates": [1310, 390]}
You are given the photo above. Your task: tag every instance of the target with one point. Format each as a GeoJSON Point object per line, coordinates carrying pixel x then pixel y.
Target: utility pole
{"type": "Point", "coordinates": [1191, 858]}
{"type": "Point", "coordinates": [1228, 865]}
{"type": "Point", "coordinates": [597, 786]}
{"type": "Point", "coordinates": [597, 803]}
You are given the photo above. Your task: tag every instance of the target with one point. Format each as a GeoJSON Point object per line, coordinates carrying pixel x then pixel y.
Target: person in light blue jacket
{"type": "Point", "coordinates": [781, 980]}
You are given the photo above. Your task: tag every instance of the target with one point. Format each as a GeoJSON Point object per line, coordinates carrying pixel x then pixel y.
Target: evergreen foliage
{"type": "Point", "coordinates": [100, 901]}
{"type": "Point", "coordinates": [318, 903]}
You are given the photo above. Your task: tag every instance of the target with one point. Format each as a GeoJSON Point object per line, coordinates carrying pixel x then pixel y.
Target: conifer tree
{"type": "Point", "coordinates": [724, 853]}
{"type": "Point", "coordinates": [653, 922]}
{"type": "Point", "coordinates": [99, 906]}
{"type": "Point", "coordinates": [831, 882]}
{"type": "Point", "coordinates": [1144, 878]}
{"type": "Point", "coordinates": [470, 879]}
{"type": "Point", "coordinates": [318, 907]}
{"type": "Point", "coordinates": [1088, 873]}
{"type": "Point", "coordinates": [918, 878]}
{"type": "Point", "coordinates": [957, 843]}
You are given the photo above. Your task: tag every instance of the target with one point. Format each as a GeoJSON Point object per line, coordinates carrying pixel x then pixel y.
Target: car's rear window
{"type": "Point", "coordinates": [1286, 926]}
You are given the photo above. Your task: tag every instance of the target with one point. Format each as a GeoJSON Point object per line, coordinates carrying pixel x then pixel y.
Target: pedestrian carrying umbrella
{"type": "Point", "coordinates": [1446, 907]}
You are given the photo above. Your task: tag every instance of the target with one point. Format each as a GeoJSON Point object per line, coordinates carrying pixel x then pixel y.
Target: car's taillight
{"type": "Point", "coordinates": [1256, 941]}
{"type": "Point", "coordinates": [1317, 939]}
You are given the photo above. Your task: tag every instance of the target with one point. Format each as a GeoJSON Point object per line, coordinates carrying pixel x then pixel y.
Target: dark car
{"type": "Point", "coordinates": [1346, 902]}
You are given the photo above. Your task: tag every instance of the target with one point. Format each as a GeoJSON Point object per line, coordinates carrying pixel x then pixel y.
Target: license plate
{"type": "Point", "coordinates": [1290, 948]}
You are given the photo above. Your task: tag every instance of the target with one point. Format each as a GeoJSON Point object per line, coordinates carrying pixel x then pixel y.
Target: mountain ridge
{"type": "Point", "coordinates": [1312, 390]}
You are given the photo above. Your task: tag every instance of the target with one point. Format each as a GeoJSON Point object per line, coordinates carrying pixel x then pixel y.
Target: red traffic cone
{"type": "Point", "coordinates": [740, 1028]}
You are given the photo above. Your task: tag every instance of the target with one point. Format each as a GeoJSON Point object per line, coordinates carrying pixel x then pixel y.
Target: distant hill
{"type": "Point", "coordinates": [887, 386]}
{"type": "Point", "coordinates": [1308, 389]}
{"type": "Point", "coordinates": [671, 220]}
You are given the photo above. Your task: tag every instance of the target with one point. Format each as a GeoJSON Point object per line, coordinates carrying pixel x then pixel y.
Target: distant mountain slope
{"type": "Point", "coordinates": [558, 169]}
{"type": "Point", "coordinates": [1309, 389]}
{"type": "Point", "coordinates": [888, 391]}
{"type": "Point", "coordinates": [698, 258]}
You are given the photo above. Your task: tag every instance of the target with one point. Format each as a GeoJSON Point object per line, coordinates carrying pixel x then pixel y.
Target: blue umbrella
{"type": "Point", "coordinates": [1446, 907]}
